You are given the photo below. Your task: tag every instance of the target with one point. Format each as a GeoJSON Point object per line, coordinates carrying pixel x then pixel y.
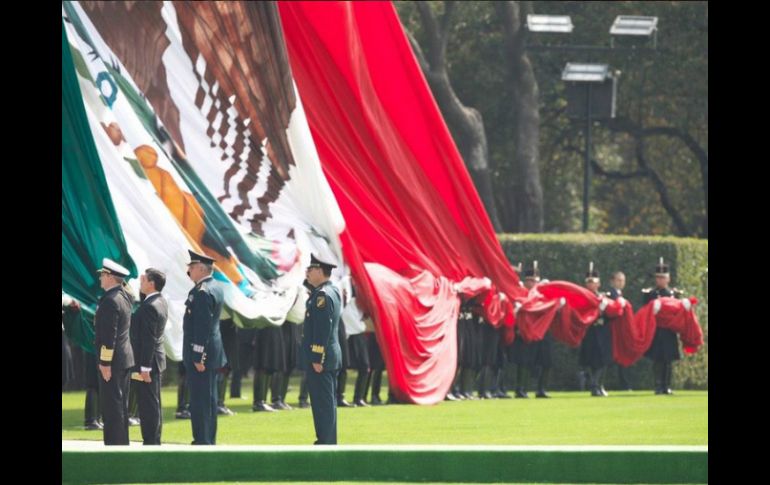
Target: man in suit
{"type": "Point", "coordinates": [320, 353]}
{"type": "Point", "coordinates": [116, 357]}
{"type": "Point", "coordinates": [202, 351]}
{"type": "Point", "coordinates": [147, 326]}
{"type": "Point", "coordinates": [617, 283]}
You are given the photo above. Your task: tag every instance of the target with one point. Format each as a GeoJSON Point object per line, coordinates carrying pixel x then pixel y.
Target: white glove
{"type": "Point", "coordinates": [562, 302]}
{"type": "Point", "coordinates": [516, 307]}
{"type": "Point", "coordinates": [622, 302]}
{"type": "Point", "coordinates": [656, 307]}
{"type": "Point", "coordinates": [687, 304]}
{"type": "Point", "coordinates": [603, 304]}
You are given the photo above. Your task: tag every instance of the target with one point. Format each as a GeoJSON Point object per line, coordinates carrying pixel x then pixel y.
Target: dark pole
{"type": "Point", "coordinates": [587, 162]}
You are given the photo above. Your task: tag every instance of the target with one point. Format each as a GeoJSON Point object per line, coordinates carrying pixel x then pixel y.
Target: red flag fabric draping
{"type": "Point", "coordinates": [633, 335]}
{"type": "Point", "coordinates": [581, 309]}
{"type": "Point", "coordinates": [412, 214]}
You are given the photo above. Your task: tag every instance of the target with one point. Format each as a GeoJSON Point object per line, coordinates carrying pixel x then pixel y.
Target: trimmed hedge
{"type": "Point", "coordinates": [566, 257]}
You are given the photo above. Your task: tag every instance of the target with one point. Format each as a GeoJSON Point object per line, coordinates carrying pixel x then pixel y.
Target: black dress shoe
{"type": "Point", "coordinates": [376, 401]}
{"type": "Point", "coordinates": [486, 395]}
{"type": "Point", "coordinates": [341, 403]}
{"type": "Point", "coordinates": [542, 394]}
{"type": "Point", "coordinates": [660, 391]}
{"type": "Point", "coordinates": [304, 404]}
{"type": "Point", "coordinates": [262, 407]}
{"type": "Point", "coordinates": [668, 391]}
{"type": "Point", "coordinates": [450, 397]}
{"type": "Point", "coordinates": [604, 393]}
{"type": "Point", "coordinates": [521, 394]}
{"type": "Point", "coordinates": [361, 404]}
{"type": "Point", "coordinates": [183, 414]}
{"type": "Point", "coordinates": [132, 421]}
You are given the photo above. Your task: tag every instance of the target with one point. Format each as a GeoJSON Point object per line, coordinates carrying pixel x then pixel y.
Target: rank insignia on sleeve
{"type": "Point", "coordinates": [320, 302]}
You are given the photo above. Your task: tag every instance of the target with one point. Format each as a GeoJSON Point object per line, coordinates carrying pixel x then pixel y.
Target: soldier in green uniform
{"type": "Point", "coordinates": [320, 353]}
{"type": "Point", "coordinates": [202, 351]}
{"type": "Point", "coordinates": [664, 350]}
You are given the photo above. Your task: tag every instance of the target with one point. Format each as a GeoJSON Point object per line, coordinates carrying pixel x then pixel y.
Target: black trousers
{"type": "Point", "coordinates": [150, 409]}
{"type": "Point", "coordinates": [323, 401]}
{"type": "Point", "coordinates": [203, 405]}
{"type": "Point", "coordinates": [113, 398]}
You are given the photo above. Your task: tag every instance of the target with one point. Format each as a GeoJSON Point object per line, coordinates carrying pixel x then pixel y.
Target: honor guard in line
{"type": "Point", "coordinates": [664, 350]}
{"type": "Point", "coordinates": [596, 347]}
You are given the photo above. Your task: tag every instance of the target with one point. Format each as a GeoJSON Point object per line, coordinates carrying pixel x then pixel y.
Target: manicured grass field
{"type": "Point", "coordinates": [335, 483]}
{"type": "Point", "coordinates": [623, 418]}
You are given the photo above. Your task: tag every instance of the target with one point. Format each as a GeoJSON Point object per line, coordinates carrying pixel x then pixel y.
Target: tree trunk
{"type": "Point", "coordinates": [529, 197]}
{"type": "Point", "coordinates": [465, 123]}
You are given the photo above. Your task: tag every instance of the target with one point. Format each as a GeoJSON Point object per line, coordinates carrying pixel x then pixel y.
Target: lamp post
{"type": "Point", "coordinates": [592, 88]}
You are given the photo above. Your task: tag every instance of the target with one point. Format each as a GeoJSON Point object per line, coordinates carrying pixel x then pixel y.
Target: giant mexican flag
{"type": "Point", "coordinates": [259, 134]}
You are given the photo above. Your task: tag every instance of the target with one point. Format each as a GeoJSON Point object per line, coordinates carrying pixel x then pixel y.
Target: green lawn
{"type": "Point", "coordinates": [624, 418]}
{"type": "Point", "coordinates": [335, 483]}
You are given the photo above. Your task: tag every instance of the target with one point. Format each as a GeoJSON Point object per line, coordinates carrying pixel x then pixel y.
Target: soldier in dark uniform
{"type": "Point", "coordinates": [279, 385]}
{"type": "Point", "coordinates": [454, 390]}
{"type": "Point", "coordinates": [230, 345]}
{"type": "Point", "coordinates": [247, 341]}
{"type": "Point", "coordinates": [303, 394]}
{"type": "Point", "coordinates": [342, 377]}
{"type": "Point", "coordinates": [359, 360]}
{"type": "Point", "coordinates": [92, 419]}
{"type": "Point", "coordinates": [504, 364]}
{"type": "Point", "coordinates": [67, 367]}
{"type": "Point", "coordinates": [377, 364]}
{"type": "Point", "coordinates": [470, 325]}
{"type": "Point", "coordinates": [202, 351]}
{"type": "Point", "coordinates": [147, 326]}
{"type": "Point", "coordinates": [182, 393]}
{"type": "Point", "coordinates": [92, 409]}
{"type": "Point", "coordinates": [500, 376]}
{"type": "Point", "coordinates": [320, 351]}
{"type": "Point", "coordinates": [269, 361]}
{"type": "Point", "coordinates": [112, 322]}
{"type": "Point", "coordinates": [464, 354]}
{"type": "Point", "coordinates": [596, 347]}
{"type": "Point", "coordinates": [664, 350]}
{"type": "Point", "coordinates": [490, 342]}
{"type": "Point", "coordinates": [523, 353]}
